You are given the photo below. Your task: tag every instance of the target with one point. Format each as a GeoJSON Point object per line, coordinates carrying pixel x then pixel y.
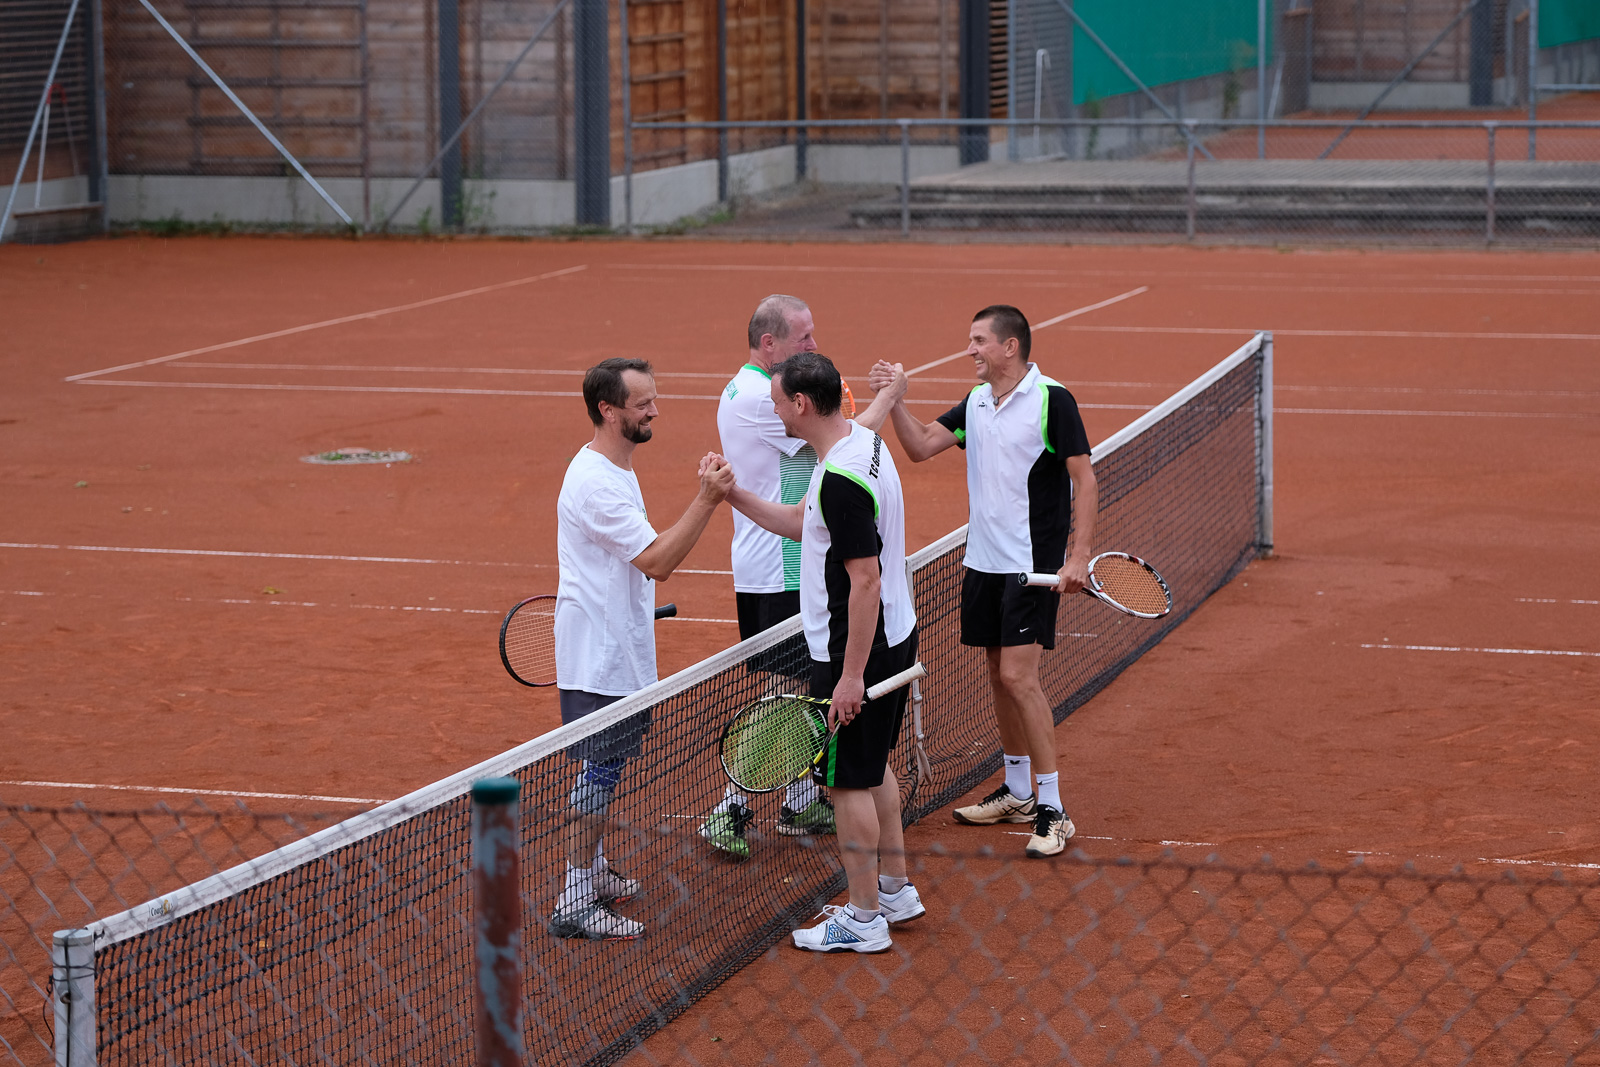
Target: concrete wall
{"type": "Point", "coordinates": [53, 192]}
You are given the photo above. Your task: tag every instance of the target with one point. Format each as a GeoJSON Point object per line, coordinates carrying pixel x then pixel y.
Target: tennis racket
{"type": "Point", "coordinates": [779, 738]}
{"type": "Point", "coordinates": [847, 400]}
{"type": "Point", "coordinates": [528, 639]}
{"type": "Point", "coordinates": [1126, 582]}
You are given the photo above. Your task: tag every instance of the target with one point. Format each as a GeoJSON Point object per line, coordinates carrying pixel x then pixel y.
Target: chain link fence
{"type": "Point", "coordinates": [788, 117]}
{"type": "Point", "coordinates": [1077, 959]}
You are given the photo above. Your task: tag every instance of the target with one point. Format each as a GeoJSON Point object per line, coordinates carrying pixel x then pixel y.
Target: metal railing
{"type": "Point", "coordinates": [1187, 137]}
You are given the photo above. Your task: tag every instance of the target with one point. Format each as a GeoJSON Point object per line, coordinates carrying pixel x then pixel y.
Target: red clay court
{"type": "Point", "coordinates": [187, 605]}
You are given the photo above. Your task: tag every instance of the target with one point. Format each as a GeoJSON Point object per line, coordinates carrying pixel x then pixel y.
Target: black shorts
{"type": "Point", "coordinates": [998, 610]}
{"type": "Point", "coordinates": [859, 752]}
{"type": "Point", "coordinates": [622, 741]}
{"type": "Point", "coordinates": [759, 612]}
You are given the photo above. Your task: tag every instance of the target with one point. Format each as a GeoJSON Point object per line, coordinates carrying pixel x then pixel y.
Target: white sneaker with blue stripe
{"type": "Point", "coordinates": [840, 932]}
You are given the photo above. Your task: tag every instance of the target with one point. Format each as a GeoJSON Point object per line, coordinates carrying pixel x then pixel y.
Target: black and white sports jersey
{"type": "Point", "coordinates": [1018, 492]}
{"type": "Point", "coordinates": [853, 509]}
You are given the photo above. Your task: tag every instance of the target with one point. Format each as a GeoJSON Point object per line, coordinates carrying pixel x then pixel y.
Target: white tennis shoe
{"type": "Point", "coordinates": [840, 932]}
{"type": "Point", "coordinates": [903, 906]}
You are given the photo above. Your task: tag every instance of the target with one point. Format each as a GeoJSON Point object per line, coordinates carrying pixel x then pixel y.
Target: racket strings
{"type": "Point", "coordinates": [1131, 584]}
{"type": "Point", "coordinates": [530, 643]}
{"type": "Point", "coordinates": [772, 743]}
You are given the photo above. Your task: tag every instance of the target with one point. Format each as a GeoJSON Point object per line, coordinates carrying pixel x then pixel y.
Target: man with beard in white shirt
{"type": "Point", "coordinates": [611, 558]}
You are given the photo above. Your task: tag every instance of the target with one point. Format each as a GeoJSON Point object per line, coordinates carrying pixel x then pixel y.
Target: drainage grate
{"type": "Point", "coordinates": [358, 455]}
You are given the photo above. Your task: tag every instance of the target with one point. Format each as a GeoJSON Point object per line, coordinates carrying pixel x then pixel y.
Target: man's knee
{"type": "Point", "coordinates": [596, 785]}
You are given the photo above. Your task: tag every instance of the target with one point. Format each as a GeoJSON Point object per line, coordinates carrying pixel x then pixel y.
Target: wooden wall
{"type": "Point", "coordinates": [348, 84]}
{"type": "Point", "coordinates": [1373, 40]}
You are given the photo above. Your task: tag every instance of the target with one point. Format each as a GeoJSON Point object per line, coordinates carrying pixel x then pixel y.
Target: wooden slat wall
{"type": "Point", "coordinates": [1372, 40]}
{"type": "Point", "coordinates": [866, 59]}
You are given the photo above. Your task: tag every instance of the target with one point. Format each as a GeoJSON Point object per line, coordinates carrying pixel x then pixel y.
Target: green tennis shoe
{"type": "Point", "coordinates": [725, 827]}
{"type": "Point", "coordinates": [815, 818]}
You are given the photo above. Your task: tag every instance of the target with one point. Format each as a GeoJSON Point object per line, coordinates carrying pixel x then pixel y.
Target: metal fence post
{"type": "Point", "coordinates": [1533, 77]}
{"type": "Point", "coordinates": [1261, 79]}
{"type": "Point", "coordinates": [449, 42]}
{"type": "Point", "coordinates": [800, 89]}
{"type": "Point", "coordinates": [1488, 206]}
{"type": "Point", "coordinates": [722, 101]}
{"type": "Point", "coordinates": [591, 111]}
{"type": "Point", "coordinates": [627, 122]}
{"type": "Point", "coordinates": [1189, 229]}
{"type": "Point", "coordinates": [72, 986]}
{"type": "Point", "coordinates": [497, 922]}
{"type": "Point", "coordinates": [905, 178]}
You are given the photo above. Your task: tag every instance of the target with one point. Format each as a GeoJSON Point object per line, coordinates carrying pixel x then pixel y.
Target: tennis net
{"type": "Point", "coordinates": [354, 945]}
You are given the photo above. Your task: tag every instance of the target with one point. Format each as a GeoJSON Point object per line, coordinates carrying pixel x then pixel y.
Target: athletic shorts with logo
{"type": "Point", "coordinates": [858, 753]}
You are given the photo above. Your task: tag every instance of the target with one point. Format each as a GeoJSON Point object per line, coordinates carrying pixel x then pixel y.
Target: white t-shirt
{"type": "Point", "coordinates": [605, 606]}
{"type": "Point", "coordinates": [854, 509]}
{"type": "Point", "coordinates": [770, 464]}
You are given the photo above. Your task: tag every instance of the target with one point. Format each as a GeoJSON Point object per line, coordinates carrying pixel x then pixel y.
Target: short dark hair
{"type": "Point", "coordinates": [772, 316]}
{"type": "Point", "coordinates": [603, 383]}
{"type": "Point", "coordinates": [811, 374]}
{"type": "Point", "coordinates": [1007, 322]}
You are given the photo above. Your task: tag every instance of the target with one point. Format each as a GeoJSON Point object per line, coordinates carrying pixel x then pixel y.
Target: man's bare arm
{"type": "Point", "coordinates": [865, 601]}
{"type": "Point", "coordinates": [782, 519]}
{"type": "Point", "coordinates": [667, 551]}
{"type": "Point", "coordinates": [1085, 507]}
{"type": "Point", "coordinates": [921, 440]}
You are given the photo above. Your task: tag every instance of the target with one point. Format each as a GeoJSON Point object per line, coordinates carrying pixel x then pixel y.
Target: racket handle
{"type": "Point", "coordinates": [896, 681]}
{"type": "Point", "coordinates": [1035, 578]}
{"type": "Point", "coordinates": [666, 611]}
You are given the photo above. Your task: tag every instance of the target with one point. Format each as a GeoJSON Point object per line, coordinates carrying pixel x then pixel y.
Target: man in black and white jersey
{"type": "Point", "coordinates": [860, 628]}
{"type": "Point", "coordinates": [766, 567]}
{"type": "Point", "coordinates": [1032, 499]}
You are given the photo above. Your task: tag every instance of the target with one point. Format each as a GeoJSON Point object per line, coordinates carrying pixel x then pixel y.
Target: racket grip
{"type": "Point", "coordinates": [666, 611]}
{"type": "Point", "coordinates": [1035, 578]}
{"type": "Point", "coordinates": [896, 681]}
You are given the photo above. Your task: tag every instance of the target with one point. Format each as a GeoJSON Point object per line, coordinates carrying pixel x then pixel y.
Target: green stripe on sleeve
{"type": "Point", "coordinates": [876, 507]}
{"type": "Point", "coordinates": [1044, 416]}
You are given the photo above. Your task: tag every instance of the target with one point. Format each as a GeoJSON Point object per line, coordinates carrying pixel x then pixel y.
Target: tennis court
{"type": "Point", "coordinates": [188, 606]}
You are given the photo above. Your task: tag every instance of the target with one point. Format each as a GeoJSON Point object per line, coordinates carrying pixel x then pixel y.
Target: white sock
{"type": "Point", "coordinates": [579, 890]}
{"type": "Point", "coordinates": [600, 861]}
{"type": "Point", "coordinates": [861, 916]}
{"type": "Point", "coordinates": [890, 886]}
{"type": "Point", "coordinates": [800, 795]}
{"type": "Point", "coordinates": [1050, 790]}
{"type": "Point", "coordinates": [1019, 776]}
{"type": "Point", "coordinates": [732, 796]}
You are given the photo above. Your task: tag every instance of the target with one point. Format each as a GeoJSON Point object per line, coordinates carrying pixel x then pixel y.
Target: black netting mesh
{"type": "Point", "coordinates": [362, 955]}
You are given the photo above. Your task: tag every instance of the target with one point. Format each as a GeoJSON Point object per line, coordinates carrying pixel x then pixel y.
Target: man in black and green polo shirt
{"type": "Point", "coordinates": [1032, 500]}
{"type": "Point", "coordinates": [860, 628]}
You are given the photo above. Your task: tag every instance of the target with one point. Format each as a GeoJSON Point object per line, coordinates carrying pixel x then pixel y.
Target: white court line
{"type": "Point", "coordinates": [379, 313]}
{"type": "Point", "coordinates": [1075, 272]}
{"type": "Point", "coordinates": [1505, 651]}
{"type": "Point", "coordinates": [280, 387]}
{"type": "Point", "coordinates": [411, 390]}
{"type": "Point", "coordinates": [194, 792]}
{"type": "Point", "coordinates": [1442, 335]}
{"type": "Point", "coordinates": [1551, 600]}
{"type": "Point", "coordinates": [357, 607]}
{"type": "Point", "coordinates": [265, 555]}
{"type": "Point", "coordinates": [432, 370]}
{"type": "Point", "coordinates": [1074, 313]}
{"type": "Point", "coordinates": [1445, 414]}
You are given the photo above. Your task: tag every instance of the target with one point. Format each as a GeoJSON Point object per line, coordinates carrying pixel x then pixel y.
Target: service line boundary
{"type": "Point", "coordinates": [325, 323]}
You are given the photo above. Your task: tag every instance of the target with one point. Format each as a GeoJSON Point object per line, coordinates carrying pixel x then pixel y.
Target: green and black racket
{"type": "Point", "coordinates": [776, 740]}
{"type": "Point", "coordinates": [528, 639]}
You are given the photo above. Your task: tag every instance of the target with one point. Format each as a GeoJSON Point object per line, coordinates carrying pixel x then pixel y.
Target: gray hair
{"type": "Point", "coordinates": [772, 316]}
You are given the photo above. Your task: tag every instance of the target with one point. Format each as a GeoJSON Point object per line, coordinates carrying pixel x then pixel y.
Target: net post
{"type": "Point", "coordinates": [72, 989]}
{"type": "Point", "coordinates": [1264, 450]}
{"type": "Point", "coordinates": [497, 923]}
